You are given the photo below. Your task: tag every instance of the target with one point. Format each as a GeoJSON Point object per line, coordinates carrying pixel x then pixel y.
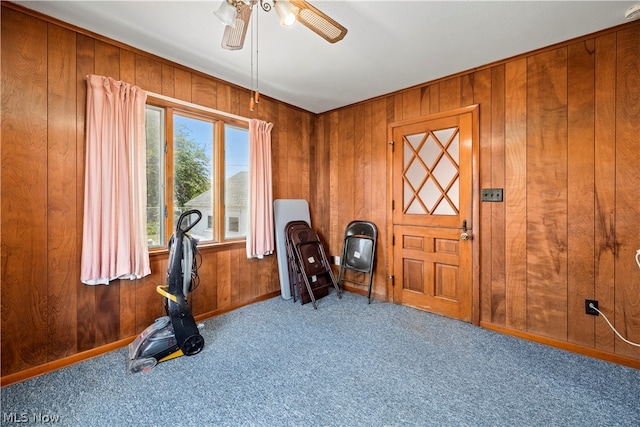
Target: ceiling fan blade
{"type": "Point", "coordinates": [319, 22]}
{"type": "Point", "coordinates": [233, 37]}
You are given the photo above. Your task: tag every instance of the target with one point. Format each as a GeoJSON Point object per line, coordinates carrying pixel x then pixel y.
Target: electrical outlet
{"type": "Point", "coordinates": [589, 310]}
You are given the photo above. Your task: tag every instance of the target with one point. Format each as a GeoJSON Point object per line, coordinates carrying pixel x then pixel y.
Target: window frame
{"type": "Point", "coordinates": [218, 179]}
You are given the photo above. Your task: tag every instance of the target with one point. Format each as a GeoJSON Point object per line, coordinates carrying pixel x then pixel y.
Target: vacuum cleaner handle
{"type": "Point", "coordinates": [184, 216]}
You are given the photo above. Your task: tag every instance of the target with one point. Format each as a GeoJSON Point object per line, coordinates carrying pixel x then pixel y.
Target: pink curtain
{"type": "Point", "coordinates": [260, 236]}
{"type": "Point", "coordinates": [114, 236]}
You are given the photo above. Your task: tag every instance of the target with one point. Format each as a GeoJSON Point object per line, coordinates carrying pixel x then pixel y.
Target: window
{"type": "Point", "coordinates": [196, 160]}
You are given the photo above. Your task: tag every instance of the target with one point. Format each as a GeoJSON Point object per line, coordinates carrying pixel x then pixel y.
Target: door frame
{"type": "Point", "coordinates": [475, 202]}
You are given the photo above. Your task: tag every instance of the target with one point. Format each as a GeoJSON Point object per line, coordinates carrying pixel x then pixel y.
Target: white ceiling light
{"type": "Point", "coordinates": [227, 13]}
{"type": "Point", "coordinates": [287, 12]}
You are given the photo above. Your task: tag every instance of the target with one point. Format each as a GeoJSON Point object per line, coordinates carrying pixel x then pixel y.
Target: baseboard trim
{"type": "Point", "coordinates": [45, 368]}
{"type": "Point", "coordinates": [563, 345]}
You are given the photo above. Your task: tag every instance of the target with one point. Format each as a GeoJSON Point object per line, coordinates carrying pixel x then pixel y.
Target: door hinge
{"type": "Point", "coordinates": [166, 211]}
{"type": "Point", "coordinates": [393, 146]}
{"type": "Point", "coordinates": [393, 204]}
{"type": "Point", "coordinates": [392, 278]}
{"type": "Point", "coordinates": [393, 240]}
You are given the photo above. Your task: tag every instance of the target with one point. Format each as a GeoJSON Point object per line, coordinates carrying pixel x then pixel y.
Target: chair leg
{"type": "Point", "coordinates": [311, 295]}
{"type": "Point", "coordinates": [335, 282]}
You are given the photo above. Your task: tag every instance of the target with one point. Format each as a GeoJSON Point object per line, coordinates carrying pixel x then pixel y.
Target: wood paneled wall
{"type": "Point", "coordinates": [47, 313]}
{"type": "Point", "coordinates": [560, 132]}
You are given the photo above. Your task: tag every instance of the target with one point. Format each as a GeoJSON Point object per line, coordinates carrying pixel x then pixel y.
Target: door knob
{"type": "Point", "coordinates": [464, 235]}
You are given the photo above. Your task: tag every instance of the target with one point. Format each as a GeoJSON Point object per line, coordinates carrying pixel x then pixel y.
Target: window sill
{"type": "Point", "coordinates": [204, 248]}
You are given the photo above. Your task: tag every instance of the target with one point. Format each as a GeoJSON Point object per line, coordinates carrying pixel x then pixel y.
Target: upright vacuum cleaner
{"type": "Point", "coordinates": [176, 334]}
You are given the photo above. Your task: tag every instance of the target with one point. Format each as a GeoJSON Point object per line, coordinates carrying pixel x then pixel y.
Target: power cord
{"type": "Point", "coordinates": [593, 307]}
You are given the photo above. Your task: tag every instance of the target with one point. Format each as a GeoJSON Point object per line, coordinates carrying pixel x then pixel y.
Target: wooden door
{"type": "Point", "coordinates": [432, 210]}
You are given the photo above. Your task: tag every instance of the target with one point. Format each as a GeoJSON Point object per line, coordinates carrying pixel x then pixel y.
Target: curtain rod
{"type": "Point", "coordinates": [199, 107]}
{"type": "Point", "coordinates": [189, 104]}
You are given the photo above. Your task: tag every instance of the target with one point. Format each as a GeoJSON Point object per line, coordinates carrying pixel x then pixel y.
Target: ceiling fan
{"type": "Point", "coordinates": [235, 15]}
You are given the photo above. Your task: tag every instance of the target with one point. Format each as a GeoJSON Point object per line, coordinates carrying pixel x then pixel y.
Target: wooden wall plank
{"type": "Point", "coordinates": [379, 200]}
{"type": "Point", "coordinates": [223, 95]}
{"type": "Point", "coordinates": [223, 279]}
{"type": "Point", "coordinates": [425, 101]}
{"type": "Point", "coordinates": [627, 273]}
{"type": "Point", "coordinates": [127, 303]}
{"type": "Point", "coordinates": [434, 98]}
{"type": "Point", "coordinates": [182, 85]}
{"type": "Point", "coordinates": [410, 103]}
{"type": "Point", "coordinates": [361, 161]}
{"type": "Point", "coordinates": [319, 192]}
{"type": "Point", "coordinates": [547, 194]}
{"type": "Point", "coordinates": [168, 81]}
{"type": "Point", "coordinates": [203, 91]}
{"type": "Point", "coordinates": [347, 163]}
{"type": "Point", "coordinates": [335, 228]}
{"type": "Point", "coordinates": [450, 94]}
{"type": "Point", "coordinates": [107, 319]}
{"type": "Point", "coordinates": [498, 254]}
{"type": "Point", "coordinates": [62, 221]}
{"type": "Point", "coordinates": [466, 90]}
{"type": "Point", "coordinates": [204, 298]}
{"type": "Point", "coordinates": [580, 192]}
{"type": "Point", "coordinates": [148, 74]}
{"type": "Point", "coordinates": [127, 66]}
{"type": "Point", "coordinates": [515, 193]}
{"type": "Point", "coordinates": [107, 60]}
{"type": "Point", "coordinates": [86, 303]}
{"type": "Point", "coordinates": [365, 128]}
{"type": "Point", "coordinates": [149, 303]}
{"type": "Point", "coordinates": [482, 96]}
{"type": "Point", "coordinates": [300, 132]}
{"type": "Point", "coordinates": [604, 212]}
{"type": "Point", "coordinates": [24, 191]}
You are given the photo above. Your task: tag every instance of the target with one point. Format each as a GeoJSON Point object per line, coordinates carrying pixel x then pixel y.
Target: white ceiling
{"type": "Point", "coordinates": [390, 45]}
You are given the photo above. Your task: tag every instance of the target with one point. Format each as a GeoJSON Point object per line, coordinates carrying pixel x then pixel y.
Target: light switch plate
{"type": "Point", "coordinates": [492, 194]}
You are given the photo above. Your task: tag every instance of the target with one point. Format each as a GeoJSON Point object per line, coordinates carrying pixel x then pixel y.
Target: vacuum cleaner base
{"type": "Point", "coordinates": [155, 344]}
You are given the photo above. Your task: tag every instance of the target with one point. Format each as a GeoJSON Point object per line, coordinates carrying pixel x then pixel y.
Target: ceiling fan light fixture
{"type": "Point", "coordinates": [287, 12]}
{"type": "Point", "coordinates": [227, 13]}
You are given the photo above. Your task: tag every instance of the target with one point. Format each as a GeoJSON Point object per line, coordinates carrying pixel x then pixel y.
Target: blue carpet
{"type": "Point", "coordinates": [277, 363]}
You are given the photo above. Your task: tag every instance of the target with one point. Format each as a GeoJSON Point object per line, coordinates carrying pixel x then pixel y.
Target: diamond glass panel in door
{"type": "Point", "coordinates": [415, 172]}
{"type": "Point", "coordinates": [431, 173]}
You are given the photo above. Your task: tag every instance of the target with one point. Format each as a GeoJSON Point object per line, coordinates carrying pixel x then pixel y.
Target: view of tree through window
{"type": "Point", "coordinates": [193, 169]}
{"type": "Point", "coordinates": [196, 162]}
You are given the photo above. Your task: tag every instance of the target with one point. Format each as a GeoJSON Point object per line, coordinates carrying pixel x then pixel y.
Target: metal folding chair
{"type": "Point", "coordinates": [311, 269]}
{"type": "Point", "coordinates": [358, 253]}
